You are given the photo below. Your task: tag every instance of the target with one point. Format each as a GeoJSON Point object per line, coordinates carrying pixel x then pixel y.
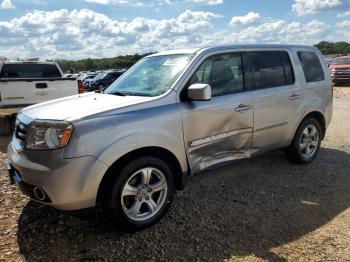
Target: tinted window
{"type": "Point", "coordinates": [222, 72]}
{"type": "Point", "coordinates": [264, 69]}
{"type": "Point", "coordinates": [29, 71]}
{"type": "Point", "coordinates": [312, 66]}
{"type": "Point", "coordinates": [288, 68]}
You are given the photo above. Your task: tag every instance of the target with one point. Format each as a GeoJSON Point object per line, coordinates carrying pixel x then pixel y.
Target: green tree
{"type": "Point", "coordinates": [330, 48]}
{"type": "Point", "coordinates": [119, 62]}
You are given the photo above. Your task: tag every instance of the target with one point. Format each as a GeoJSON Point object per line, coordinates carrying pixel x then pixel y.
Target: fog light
{"type": "Point", "coordinates": [39, 193]}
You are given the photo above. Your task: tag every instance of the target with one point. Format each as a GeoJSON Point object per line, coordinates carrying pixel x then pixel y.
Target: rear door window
{"type": "Point", "coordinates": [288, 68]}
{"type": "Point", "coordinates": [265, 69]}
{"type": "Point", "coordinates": [311, 66]}
{"type": "Point", "coordinates": [30, 71]}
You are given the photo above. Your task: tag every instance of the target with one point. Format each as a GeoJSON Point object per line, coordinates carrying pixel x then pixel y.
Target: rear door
{"type": "Point", "coordinates": [270, 80]}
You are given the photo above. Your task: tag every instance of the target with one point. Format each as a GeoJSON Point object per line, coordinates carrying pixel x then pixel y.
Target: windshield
{"type": "Point", "coordinates": [151, 76]}
{"type": "Point", "coordinates": [99, 76]}
{"type": "Point", "coordinates": [342, 61]}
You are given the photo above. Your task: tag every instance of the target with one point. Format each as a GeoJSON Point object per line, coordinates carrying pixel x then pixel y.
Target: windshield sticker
{"type": "Point", "coordinates": [175, 62]}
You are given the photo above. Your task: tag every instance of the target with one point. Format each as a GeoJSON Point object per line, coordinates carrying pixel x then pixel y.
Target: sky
{"type": "Point", "coordinates": [76, 29]}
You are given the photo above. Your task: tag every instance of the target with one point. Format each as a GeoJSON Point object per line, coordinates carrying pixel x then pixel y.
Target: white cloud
{"type": "Point", "coordinates": [117, 2]}
{"type": "Point", "coordinates": [207, 2]}
{"type": "Point", "coordinates": [153, 2]}
{"type": "Point", "coordinates": [280, 31]}
{"type": "Point", "coordinates": [247, 19]}
{"type": "Point", "coordinates": [7, 4]}
{"type": "Point", "coordinates": [344, 24]}
{"type": "Point", "coordinates": [85, 33]}
{"type": "Point", "coordinates": [347, 13]}
{"type": "Point", "coordinates": [304, 7]}
{"type": "Point", "coordinates": [102, 2]}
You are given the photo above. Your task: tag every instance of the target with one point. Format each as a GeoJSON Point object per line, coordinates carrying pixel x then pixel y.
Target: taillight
{"type": "Point", "coordinates": [80, 87]}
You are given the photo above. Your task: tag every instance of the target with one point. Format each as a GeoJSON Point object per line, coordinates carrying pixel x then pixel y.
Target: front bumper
{"type": "Point", "coordinates": [69, 183]}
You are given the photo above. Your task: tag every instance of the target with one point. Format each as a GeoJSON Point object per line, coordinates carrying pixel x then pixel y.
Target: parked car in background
{"type": "Point", "coordinates": [170, 116]}
{"type": "Point", "coordinates": [25, 83]}
{"type": "Point", "coordinates": [340, 70]}
{"type": "Point", "coordinates": [328, 61]}
{"type": "Point", "coordinates": [71, 75]}
{"type": "Point", "coordinates": [87, 80]}
{"type": "Point", "coordinates": [103, 80]}
{"type": "Point", "coordinates": [86, 77]}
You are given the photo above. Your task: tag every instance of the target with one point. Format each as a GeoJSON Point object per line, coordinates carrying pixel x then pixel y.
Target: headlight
{"type": "Point", "coordinates": [48, 134]}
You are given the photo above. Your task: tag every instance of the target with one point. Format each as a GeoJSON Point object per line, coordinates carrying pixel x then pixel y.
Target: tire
{"type": "Point", "coordinates": [142, 193]}
{"type": "Point", "coordinates": [306, 142]}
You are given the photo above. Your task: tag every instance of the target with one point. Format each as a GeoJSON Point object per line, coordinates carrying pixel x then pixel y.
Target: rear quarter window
{"type": "Point", "coordinates": [311, 65]}
{"type": "Point", "coordinates": [30, 71]}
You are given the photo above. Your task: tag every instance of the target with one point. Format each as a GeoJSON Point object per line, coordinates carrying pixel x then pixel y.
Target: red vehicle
{"type": "Point", "coordinates": [340, 70]}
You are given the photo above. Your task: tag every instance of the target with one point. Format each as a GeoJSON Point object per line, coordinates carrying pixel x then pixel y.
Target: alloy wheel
{"type": "Point", "coordinates": [309, 141]}
{"type": "Point", "coordinates": [144, 194]}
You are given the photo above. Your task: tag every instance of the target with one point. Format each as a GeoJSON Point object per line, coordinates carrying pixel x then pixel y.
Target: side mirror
{"type": "Point", "coordinates": [199, 92]}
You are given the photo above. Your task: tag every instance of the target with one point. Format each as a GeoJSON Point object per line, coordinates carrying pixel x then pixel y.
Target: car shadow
{"type": "Point", "coordinates": [246, 208]}
{"type": "Point", "coordinates": [4, 141]}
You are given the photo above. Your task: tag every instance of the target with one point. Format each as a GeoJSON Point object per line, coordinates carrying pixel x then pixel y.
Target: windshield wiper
{"type": "Point", "coordinates": [129, 94]}
{"type": "Point", "coordinates": [119, 93]}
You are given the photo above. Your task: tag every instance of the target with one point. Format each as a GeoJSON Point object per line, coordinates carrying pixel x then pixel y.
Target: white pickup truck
{"type": "Point", "coordinates": [26, 83]}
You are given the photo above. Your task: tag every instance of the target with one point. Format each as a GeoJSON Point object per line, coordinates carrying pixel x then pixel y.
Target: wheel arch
{"type": "Point", "coordinates": [319, 117]}
{"type": "Point", "coordinates": [154, 151]}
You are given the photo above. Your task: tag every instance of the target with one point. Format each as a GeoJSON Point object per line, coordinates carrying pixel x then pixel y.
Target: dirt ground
{"type": "Point", "coordinates": [261, 209]}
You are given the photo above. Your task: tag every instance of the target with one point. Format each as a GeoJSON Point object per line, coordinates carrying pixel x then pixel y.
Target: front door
{"type": "Point", "coordinates": [218, 130]}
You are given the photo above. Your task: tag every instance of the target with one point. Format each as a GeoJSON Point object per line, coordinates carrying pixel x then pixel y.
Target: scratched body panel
{"type": "Point", "coordinates": [215, 133]}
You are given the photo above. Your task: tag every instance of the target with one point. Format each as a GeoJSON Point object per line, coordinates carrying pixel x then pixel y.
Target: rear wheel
{"type": "Point", "coordinates": [306, 143]}
{"type": "Point", "coordinates": [142, 192]}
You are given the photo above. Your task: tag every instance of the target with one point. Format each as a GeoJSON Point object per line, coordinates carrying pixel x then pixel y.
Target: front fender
{"type": "Point", "coordinates": [134, 141]}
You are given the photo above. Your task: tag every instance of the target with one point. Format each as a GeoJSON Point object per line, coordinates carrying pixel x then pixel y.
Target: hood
{"type": "Point", "coordinates": [80, 105]}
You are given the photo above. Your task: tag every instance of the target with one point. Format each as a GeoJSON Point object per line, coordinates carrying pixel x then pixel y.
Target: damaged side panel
{"type": "Point", "coordinates": [232, 147]}
{"type": "Point", "coordinates": [215, 133]}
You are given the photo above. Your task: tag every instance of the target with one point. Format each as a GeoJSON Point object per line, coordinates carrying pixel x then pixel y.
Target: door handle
{"type": "Point", "coordinates": [242, 108]}
{"type": "Point", "coordinates": [294, 97]}
{"type": "Point", "coordinates": [40, 85]}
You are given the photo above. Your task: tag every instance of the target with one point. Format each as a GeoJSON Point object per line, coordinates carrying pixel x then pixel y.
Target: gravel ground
{"type": "Point", "coordinates": [253, 210]}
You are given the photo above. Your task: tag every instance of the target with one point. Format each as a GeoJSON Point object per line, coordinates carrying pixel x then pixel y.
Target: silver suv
{"type": "Point", "coordinates": [173, 114]}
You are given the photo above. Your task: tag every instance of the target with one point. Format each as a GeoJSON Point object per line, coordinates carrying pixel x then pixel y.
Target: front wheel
{"type": "Point", "coordinates": [142, 192]}
{"type": "Point", "coordinates": [306, 143]}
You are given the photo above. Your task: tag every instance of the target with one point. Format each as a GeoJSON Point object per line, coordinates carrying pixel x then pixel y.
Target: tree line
{"type": "Point", "coordinates": [327, 48]}
{"type": "Point", "coordinates": [331, 48]}
{"type": "Point", "coordinates": [119, 62]}
{"type": "Point", "coordinates": [125, 61]}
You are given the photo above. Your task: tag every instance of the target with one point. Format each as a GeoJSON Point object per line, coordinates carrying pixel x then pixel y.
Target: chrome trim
{"type": "Point", "coordinates": [219, 136]}
{"type": "Point", "coordinates": [14, 97]}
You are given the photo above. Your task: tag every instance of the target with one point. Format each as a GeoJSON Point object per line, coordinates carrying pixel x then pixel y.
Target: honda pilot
{"type": "Point", "coordinates": [173, 114]}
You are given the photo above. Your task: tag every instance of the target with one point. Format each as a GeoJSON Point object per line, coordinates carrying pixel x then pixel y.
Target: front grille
{"type": "Point", "coordinates": [21, 131]}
